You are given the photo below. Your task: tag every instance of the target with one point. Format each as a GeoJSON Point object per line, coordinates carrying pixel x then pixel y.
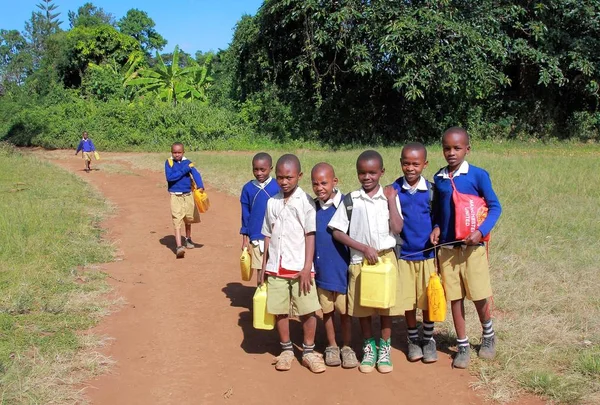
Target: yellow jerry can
{"type": "Point", "coordinates": [96, 155]}
{"type": "Point", "coordinates": [245, 265]}
{"type": "Point", "coordinates": [261, 319]}
{"type": "Point", "coordinates": [378, 284]}
{"type": "Point", "coordinates": [436, 299]}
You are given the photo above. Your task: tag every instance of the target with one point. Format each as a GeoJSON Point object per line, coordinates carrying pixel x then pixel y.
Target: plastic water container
{"type": "Point", "coordinates": [245, 265]}
{"type": "Point", "coordinates": [436, 299]}
{"type": "Point", "coordinates": [378, 284]}
{"type": "Point", "coordinates": [261, 319]}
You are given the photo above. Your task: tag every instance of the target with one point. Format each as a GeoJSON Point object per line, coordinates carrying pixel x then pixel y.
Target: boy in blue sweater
{"type": "Point", "coordinates": [253, 198]}
{"type": "Point", "coordinates": [331, 267]}
{"type": "Point", "coordinates": [415, 262]}
{"type": "Point", "coordinates": [86, 146]}
{"type": "Point", "coordinates": [179, 172]}
{"type": "Point", "coordinates": [464, 263]}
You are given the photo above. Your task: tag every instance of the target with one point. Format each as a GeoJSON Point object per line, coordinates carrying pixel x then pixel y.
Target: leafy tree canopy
{"type": "Point", "coordinates": [89, 15]}
{"type": "Point", "coordinates": [139, 25]}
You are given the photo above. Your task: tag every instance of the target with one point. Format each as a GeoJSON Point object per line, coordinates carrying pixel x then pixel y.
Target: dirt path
{"type": "Point", "coordinates": [185, 335]}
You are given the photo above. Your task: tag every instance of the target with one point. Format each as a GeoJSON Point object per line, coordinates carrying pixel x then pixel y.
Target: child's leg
{"type": "Point", "coordinates": [386, 327]}
{"type": "Point", "coordinates": [178, 236]}
{"type": "Point", "coordinates": [283, 328]}
{"type": "Point", "coordinates": [346, 324]}
{"type": "Point", "coordinates": [329, 328]}
{"type": "Point", "coordinates": [415, 352]}
{"type": "Point", "coordinates": [488, 341]}
{"type": "Point", "coordinates": [365, 326]}
{"type": "Point", "coordinates": [309, 327]}
{"type": "Point", "coordinates": [188, 231]}
{"type": "Point", "coordinates": [458, 316]}
{"type": "Point", "coordinates": [384, 359]}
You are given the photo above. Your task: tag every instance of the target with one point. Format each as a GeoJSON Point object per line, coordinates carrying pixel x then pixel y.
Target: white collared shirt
{"type": "Point", "coordinates": [287, 223]}
{"type": "Point", "coordinates": [462, 169]}
{"type": "Point", "coordinates": [421, 185]}
{"type": "Point", "coordinates": [262, 185]}
{"type": "Point", "coordinates": [370, 222]}
{"type": "Point", "coordinates": [335, 201]}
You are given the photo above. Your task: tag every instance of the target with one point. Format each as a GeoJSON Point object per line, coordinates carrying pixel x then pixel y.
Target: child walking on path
{"type": "Point", "coordinates": [289, 229]}
{"type": "Point", "coordinates": [179, 172]}
{"type": "Point", "coordinates": [370, 234]}
{"type": "Point", "coordinates": [253, 199]}
{"type": "Point", "coordinates": [331, 268]}
{"type": "Point", "coordinates": [87, 147]}
{"type": "Point", "coordinates": [464, 264]}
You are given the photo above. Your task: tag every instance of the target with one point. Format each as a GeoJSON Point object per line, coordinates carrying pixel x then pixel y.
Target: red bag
{"type": "Point", "coordinates": [469, 212]}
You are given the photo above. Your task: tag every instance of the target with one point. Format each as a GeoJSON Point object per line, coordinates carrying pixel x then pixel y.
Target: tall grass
{"type": "Point", "coordinates": [49, 235]}
{"type": "Point", "coordinates": [543, 257]}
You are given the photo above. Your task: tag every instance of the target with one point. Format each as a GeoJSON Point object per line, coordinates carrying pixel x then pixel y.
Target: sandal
{"type": "Point", "coordinates": [283, 362]}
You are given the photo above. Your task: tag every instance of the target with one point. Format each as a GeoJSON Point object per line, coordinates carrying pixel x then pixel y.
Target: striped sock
{"type": "Point", "coordinates": [286, 346]}
{"type": "Point", "coordinates": [463, 342]}
{"type": "Point", "coordinates": [488, 329]}
{"type": "Point", "coordinates": [306, 349]}
{"type": "Point", "coordinates": [413, 334]}
{"type": "Point", "coordinates": [427, 330]}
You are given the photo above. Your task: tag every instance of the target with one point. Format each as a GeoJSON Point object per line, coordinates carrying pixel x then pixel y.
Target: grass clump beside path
{"type": "Point", "coordinates": [543, 258]}
{"type": "Point", "coordinates": [48, 230]}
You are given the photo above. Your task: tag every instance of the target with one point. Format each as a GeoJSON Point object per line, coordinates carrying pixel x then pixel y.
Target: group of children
{"type": "Point", "coordinates": [310, 252]}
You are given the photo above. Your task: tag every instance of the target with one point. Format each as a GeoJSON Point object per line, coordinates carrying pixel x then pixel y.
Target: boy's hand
{"type": "Point", "coordinates": [434, 237]}
{"type": "Point", "coordinates": [474, 238]}
{"type": "Point", "coordinates": [260, 277]}
{"type": "Point", "coordinates": [305, 280]}
{"type": "Point", "coordinates": [370, 254]}
{"type": "Point", "coordinates": [390, 192]}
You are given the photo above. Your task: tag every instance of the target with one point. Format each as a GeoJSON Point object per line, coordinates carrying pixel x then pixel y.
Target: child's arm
{"type": "Point", "coordinates": [484, 183]}
{"type": "Point", "coordinates": [245, 203]}
{"type": "Point", "coordinates": [396, 221]}
{"type": "Point", "coordinates": [176, 172]}
{"type": "Point", "coordinates": [305, 275]}
{"type": "Point", "coordinates": [93, 146]}
{"type": "Point", "coordinates": [196, 175]}
{"type": "Point", "coordinates": [340, 225]}
{"type": "Point", "coordinates": [260, 277]}
{"type": "Point", "coordinates": [79, 147]}
{"type": "Point", "coordinates": [434, 236]}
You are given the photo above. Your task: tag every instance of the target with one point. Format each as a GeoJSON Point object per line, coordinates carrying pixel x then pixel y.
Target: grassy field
{"type": "Point", "coordinates": [543, 257]}
{"type": "Point", "coordinates": [49, 289]}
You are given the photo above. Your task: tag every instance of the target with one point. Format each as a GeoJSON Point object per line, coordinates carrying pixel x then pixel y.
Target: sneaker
{"type": "Point", "coordinates": [415, 353]}
{"type": "Point", "coordinates": [349, 359]}
{"type": "Point", "coordinates": [462, 357]}
{"type": "Point", "coordinates": [180, 252]}
{"type": "Point", "coordinates": [189, 244]}
{"type": "Point", "coordinates": [332, 356]}
{"type": "Point", "coordinates": [369, 355]}
{"type": "Point", "coordinates": [283, 362]}
{"type": "Point", "coordinates": [429, 351]}
{"type": "Point", "coordinates": [488, 347]}
{"type": "Point", "coordinates": [384, 362]}
{"type": "Point", "coordinates": [314, 362]}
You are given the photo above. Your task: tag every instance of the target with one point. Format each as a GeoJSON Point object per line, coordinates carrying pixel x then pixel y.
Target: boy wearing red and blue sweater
{"type": "Point", "coordinates": [416, 261]}
{"type": "Point", "coordinates": [331, 261]}
{"type": "Point", "coordinates": [464, 263]}
{"type": "Point", "coordinates": [253, 199]}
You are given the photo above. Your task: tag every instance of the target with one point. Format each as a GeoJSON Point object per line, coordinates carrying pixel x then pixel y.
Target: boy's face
{"type": "Point", "coordinates": [85, 135]}
{"type": "Point", "coordinates": [323, 183]}
{"type": "Point", "coordinates": [177, 152]}
{"type": "Point", "coordinates": [287, 177]}
{"type": "Point", "coordinates": [456, 147]}
{"type": "Point", "coordinates": [261, 170]}
{"type": "Point", "coordinates": [369, 172]}
{"type": "Point", "coordinates": [413, 163]}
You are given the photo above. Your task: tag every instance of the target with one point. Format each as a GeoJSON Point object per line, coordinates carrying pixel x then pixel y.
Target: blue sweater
{"type": "Point", "coordinates": [418, 222]}
{"type": "Point", "coordinates": [86, 145]}
{"type": "Point", "coordinates": [178, 176]}
{"type": "Point", "coordinates": [254, 203]}
{"type": "Point", "coordinates": [331, 257]}
{"type": "Point", "coordinates": [475, 182]}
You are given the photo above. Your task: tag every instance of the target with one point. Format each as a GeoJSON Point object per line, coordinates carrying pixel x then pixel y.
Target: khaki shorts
{"type": "Point", "coordinates": [87, 156]}
{"type": "Point", "coordinates": [183, 210]}
{"type": "Point", "coordinates": [465, 273]}
{"type": "Point", "coordinates": [414, 278]}
{"type": "Point", "coordinates": [256, 255]}
{"type": "Point", "coordinates": [354, 307]}
{"type": "Point", "coordinates": [331, 301]}
{"type": "Point", "coordinates": [285, 291]}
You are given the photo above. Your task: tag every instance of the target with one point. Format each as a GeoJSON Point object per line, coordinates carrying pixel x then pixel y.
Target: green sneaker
{"type": "Point", "coordinates": [369, 355]}
{"type": "Point", "coordinates": [384, 362]}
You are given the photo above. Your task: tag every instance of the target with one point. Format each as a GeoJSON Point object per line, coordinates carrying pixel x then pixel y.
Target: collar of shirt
{"type": "Point", "coordinates": [182, 159]}
{"type": "Point", "coordinates": [335, 201]}
{"type": "Point", "coordinates": [378, 195]}
{"type": "Point", "coordinates": [262, 185]}
{"type": "Point", "coordinates": [421, 185]}
{"type": "Point", "coordinates": [462, 169]}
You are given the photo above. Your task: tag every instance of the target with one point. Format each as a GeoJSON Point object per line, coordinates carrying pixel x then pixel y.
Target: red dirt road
{"type": "Point", "coordinates": [185, 335]}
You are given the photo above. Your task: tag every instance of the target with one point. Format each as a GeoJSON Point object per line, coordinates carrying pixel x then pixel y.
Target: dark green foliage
{"type": "Point", "coordinates": [89, 15]}
{"type": "Point", "coordinates": [140, 26]}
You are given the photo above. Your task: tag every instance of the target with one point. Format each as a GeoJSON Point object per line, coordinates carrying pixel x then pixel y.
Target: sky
{"type": "Point", "coordinates": [194, 25]}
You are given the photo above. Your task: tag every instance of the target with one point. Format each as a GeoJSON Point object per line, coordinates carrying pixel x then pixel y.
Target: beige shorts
{"type": "Point", "coordinates": [354, 307]}
{"type": "Point", "coordinates": [285, 291]}
{"type": "Point", "coordinates": [414, 278]}
{"type": "Point", "coordinates": [465, 273]}
{"type": "Point", "coordinates": [332, 301]}
{"type": "Point", "coordinates": [183, 210]}
{"type": "Point", "coordinates": [87, 156]}
{"type": "Point", "coordinates": [256, 256]}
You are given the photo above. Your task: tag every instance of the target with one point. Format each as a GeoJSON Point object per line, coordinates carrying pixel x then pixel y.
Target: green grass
{"type": "Point", "coordinates": [49, 235]}
{"type": "Point", "coordinates": [543, 257]}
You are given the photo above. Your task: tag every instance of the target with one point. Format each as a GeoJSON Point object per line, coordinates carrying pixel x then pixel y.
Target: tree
{"type": "Point", "coordinates": [40, 27]}
{"type": "Point", "coordinates": [137, 24]}
{"type": "Point", "coordinates": [89, 15]}
{"type": "Point", "coordinates": [15, 60]}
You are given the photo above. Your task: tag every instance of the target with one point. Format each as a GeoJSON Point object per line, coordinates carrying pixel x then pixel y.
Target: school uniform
{"type": "Point", "coordinates": [370, 225]}
{"type": "Point", "coordinates": [87, 147]}
{"type": "Point", "coordinates": [465, 269]}
{"type": "Point", "coordinates": [179, 182]}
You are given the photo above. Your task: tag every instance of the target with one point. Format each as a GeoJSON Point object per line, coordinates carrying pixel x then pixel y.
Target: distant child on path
{"type": "Point", "coordinates": [370, 234]}
{"type": "Point", "coordinates": [289, 229]}
{"type": "Point", "coordinates": [179, 172]}
{"type": "Point", "coordinates": [331, 268]}
{"type": "Point", "coordinates": [415, 264]}
{"type": "Point", "coordinates": [464, 265]}
{"type": "Point", "coordinates": [87, 147]}
{"type": "Point", "coordinates": [253, 199]}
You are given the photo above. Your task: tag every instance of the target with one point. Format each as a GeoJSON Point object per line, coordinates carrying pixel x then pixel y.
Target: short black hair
{"type": "Point", "coordinates": [322, 165]}
{"type": "Point", "coordinates": [457, 130]}
{"type": "Point", "coordinates": [263, 156]}
{"type": "Point", "coordinates": [176, 144]}
{"type": "Point", "coordinates": [289, 159]}
{"type": "Point", "coordinates": [416, 146]}
{"type": "Point", "coordinates": [370, 155]}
